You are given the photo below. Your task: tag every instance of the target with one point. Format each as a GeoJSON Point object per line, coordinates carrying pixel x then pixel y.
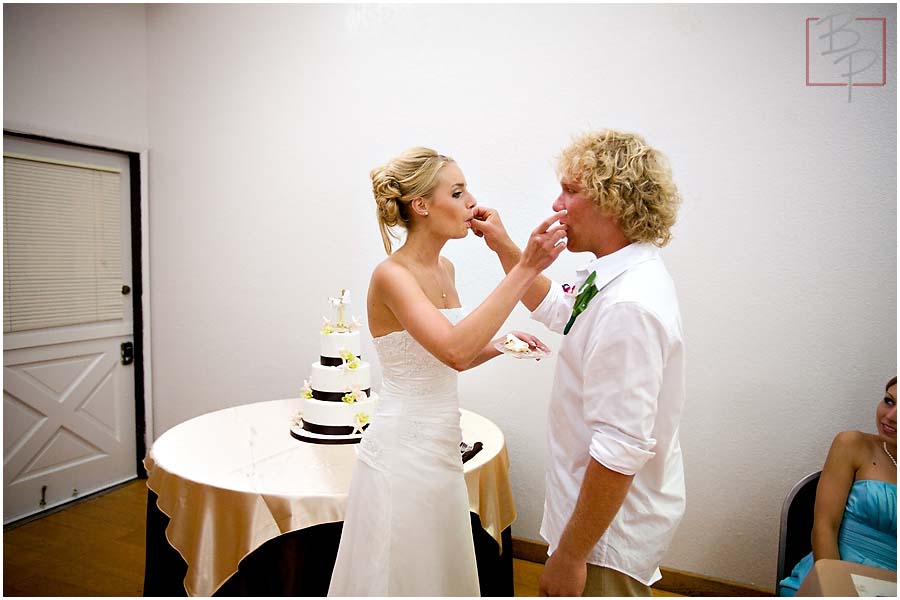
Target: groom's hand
{"type": "Point", "coordinates": [562, 576]}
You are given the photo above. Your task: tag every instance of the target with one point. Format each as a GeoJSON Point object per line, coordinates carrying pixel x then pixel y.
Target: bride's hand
{"type": "Point", "coordinates": [533, 342]}
{"type": "Point", "coordinates": [545, 243]}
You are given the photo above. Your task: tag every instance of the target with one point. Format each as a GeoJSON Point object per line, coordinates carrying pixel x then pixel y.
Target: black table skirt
{"type": "Point", "coordinates": [299, 563]}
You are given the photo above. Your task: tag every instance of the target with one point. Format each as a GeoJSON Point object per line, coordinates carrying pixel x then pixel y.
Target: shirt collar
{"type": "Point", "coordinates": [610, 266]}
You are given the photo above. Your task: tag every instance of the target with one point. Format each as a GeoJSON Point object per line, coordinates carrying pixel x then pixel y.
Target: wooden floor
{"type": "Point", "coordinates": [526, 574]}
{"type": "Point", "coordinates": [96, 548]}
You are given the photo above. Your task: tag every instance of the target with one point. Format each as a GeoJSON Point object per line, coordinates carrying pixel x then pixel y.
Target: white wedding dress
{"type": "Point", "coordinates": [407, 530]}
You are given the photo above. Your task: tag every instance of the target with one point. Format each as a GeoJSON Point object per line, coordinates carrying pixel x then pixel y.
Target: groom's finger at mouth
{"type": "Point", "coordinates": [557, 234]}
{"type": "Point", "coordinates": [561, 227]}
{"type": "Point", "coordinates": [546, 223]}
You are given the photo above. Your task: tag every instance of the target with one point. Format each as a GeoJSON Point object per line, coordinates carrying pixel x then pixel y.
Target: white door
{"type": "Point", "coordinates": [68, 399]}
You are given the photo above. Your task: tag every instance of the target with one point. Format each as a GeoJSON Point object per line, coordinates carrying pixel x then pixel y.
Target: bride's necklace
{"type": "Point", "coordinates": [437, 280]}
{"type": "Point", "coordinates": [888, 452]}
{"type": "Point", "coordinates": [443, 293]}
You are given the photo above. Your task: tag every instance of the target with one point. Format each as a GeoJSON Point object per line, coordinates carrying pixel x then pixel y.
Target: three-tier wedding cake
{"type": "Point", "coordinates": [337, 401]}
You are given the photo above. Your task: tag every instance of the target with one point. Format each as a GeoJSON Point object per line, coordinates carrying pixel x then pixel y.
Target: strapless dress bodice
{"type": "Point", "coordinates": [414, 382]}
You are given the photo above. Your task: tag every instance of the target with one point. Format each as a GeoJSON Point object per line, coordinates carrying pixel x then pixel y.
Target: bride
{"type": "Point", "coordinates": [407, 530]}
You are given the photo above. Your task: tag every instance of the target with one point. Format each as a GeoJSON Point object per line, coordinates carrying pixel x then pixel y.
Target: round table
{"type": "Point", "coordinates": [232, 480]}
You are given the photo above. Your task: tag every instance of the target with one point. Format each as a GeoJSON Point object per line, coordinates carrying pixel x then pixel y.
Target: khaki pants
{"type": "Point", "coordinates": [603, 581]}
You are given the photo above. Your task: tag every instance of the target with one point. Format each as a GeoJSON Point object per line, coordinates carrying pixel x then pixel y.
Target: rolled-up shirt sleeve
{"type": "Point", "coordinates": [555, 309]}
{"type": "Point", "coordinates": [623, 368]}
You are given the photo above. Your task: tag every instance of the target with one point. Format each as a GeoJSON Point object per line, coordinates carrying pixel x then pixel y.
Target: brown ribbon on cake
{"type": "Point", "coordinates": [330, 429]}
{"type": "Point", "coordinates": [333, 361]}
{"type": "Point", "coordinates": [335, 396]}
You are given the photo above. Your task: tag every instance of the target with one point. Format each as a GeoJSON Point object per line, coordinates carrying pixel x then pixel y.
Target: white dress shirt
{"type": "Point", "coordinates": [617, 397]}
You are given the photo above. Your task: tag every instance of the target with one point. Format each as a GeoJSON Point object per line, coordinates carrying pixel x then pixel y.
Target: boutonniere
{"type": "Point", "coordinates": [587, 291]}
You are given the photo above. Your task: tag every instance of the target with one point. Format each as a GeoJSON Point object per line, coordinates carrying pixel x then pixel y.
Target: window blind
{"type": "Point", "coordinates": [61, 244]}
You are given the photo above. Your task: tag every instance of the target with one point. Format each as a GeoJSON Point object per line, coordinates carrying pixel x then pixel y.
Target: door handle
{"type": "Point", "coordinates": [127, 353]}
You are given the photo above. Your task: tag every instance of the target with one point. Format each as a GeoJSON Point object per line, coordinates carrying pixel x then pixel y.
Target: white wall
{"type": "Point", "coordinates": [77, 72]}
{"type": "Point", "coordinates": [264, 122]}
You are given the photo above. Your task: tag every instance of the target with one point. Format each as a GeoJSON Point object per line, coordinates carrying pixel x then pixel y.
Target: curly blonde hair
{"type": "Point", "coordinates": [413, 174]}
{"type": "Point", "coordinates": [627, 179]}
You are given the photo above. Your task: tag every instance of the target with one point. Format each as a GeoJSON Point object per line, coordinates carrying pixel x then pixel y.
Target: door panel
{"type": "Point", "coordinates": [68, 401]}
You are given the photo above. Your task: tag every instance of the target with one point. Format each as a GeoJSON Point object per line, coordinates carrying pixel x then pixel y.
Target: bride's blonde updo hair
{"type": "Point", "coordinates": [413, 174]}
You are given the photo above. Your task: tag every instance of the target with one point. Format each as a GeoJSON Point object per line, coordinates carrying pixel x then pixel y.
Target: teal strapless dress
{"type": "Point", "coordinates": [868, 533]}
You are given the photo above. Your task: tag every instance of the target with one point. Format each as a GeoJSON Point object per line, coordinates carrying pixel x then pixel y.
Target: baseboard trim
{"type": "Point", "coordinates": [677, 582]}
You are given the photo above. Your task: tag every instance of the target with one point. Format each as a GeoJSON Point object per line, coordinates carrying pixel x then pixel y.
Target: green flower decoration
{"type": "Point", "coordinates": [327, 328]}
{"type": "Point", "coordinates": [585, 294]}
{"type": "Point", "coordinates": [349, 398]}
{"type": "Point", "coordinates": [349, 359]}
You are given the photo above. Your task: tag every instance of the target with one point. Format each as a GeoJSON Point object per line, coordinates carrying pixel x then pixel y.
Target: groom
{"type": "Point", "coordinates": [615, 484]}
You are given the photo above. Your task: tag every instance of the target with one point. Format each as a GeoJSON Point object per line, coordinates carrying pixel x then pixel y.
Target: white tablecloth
{"type": "Point", "coordinates": [233, 479]}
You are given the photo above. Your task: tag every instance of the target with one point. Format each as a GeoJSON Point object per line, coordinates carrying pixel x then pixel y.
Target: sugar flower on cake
{"type": "Point", "coordinates": [350, 360]}
{"type": "Point", "coordinates": [355, 395]}
{"type": "Point", "coordinates": [355, 325]}
{"type": "Point", "coordinates": [360, 420]}
{"type": "Point", "coordinates": [297, 418]}
{"type": "Point", "coordinates": [306, 392]}
{"type": "Point", "coordinates": [327, 327]}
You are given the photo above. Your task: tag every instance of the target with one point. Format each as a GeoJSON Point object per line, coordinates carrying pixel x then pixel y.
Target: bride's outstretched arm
{"type": "Point", "coordinates": [490, 351]}
{"type": "Point", "coordinates": [487, 224]}
{"type": "Point", "coordinates": [458, 346]}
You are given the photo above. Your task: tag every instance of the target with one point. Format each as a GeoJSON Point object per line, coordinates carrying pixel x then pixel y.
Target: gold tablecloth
{"type": "Point", "coordinates": [233, 479]}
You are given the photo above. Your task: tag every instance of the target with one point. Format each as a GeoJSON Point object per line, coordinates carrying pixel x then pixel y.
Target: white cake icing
{"type": "Point", "coordinates": [337, 401]}
{"type": "Point", "coordinates": [340, 379]}
{"type": "Point", "coordinates": [332, 343]}
{"type": "Point", "coordinates": [514, 344]}
{"type": "Point", "coordinates": [322, 412]}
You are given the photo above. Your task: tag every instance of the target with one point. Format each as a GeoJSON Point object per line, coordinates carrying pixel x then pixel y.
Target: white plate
{"type": "Point", "coordinates": [536, 354]}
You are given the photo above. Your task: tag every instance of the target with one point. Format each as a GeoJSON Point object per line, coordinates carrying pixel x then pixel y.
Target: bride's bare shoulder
{"type": "Point", "coordinates": [389, 269]}
{"type": "Point", "coordinates": [392, 277]}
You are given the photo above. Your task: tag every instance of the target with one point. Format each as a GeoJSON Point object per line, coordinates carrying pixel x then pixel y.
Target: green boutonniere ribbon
{"type": "Point", "coordinates": [585, 294]}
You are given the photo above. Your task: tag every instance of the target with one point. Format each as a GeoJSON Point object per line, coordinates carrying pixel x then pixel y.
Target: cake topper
{"type": "Point", "coordinates": [339, 303]}
{"type": "Point", "coordinates": [341, 326]}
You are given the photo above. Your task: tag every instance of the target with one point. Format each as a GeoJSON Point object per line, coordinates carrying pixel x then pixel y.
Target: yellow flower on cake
{"type": "Point", "coordinates": [350, 360]}
{"type": "Point", "coordinates": [327, 327]}
{"type": "Point", "coordinates": [355, 395]}
{"type": "Point", "coordinates": [360, 420]}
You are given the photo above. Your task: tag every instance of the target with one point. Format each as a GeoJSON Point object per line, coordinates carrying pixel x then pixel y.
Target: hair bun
{"type": "Point", "coordinates": [384, 185]}
{"type": "Point", "coordinates": [412, 174]}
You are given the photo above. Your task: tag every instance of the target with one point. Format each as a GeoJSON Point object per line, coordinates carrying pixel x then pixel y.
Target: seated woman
{"type": "Point", "coordinates": [855, 516]}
